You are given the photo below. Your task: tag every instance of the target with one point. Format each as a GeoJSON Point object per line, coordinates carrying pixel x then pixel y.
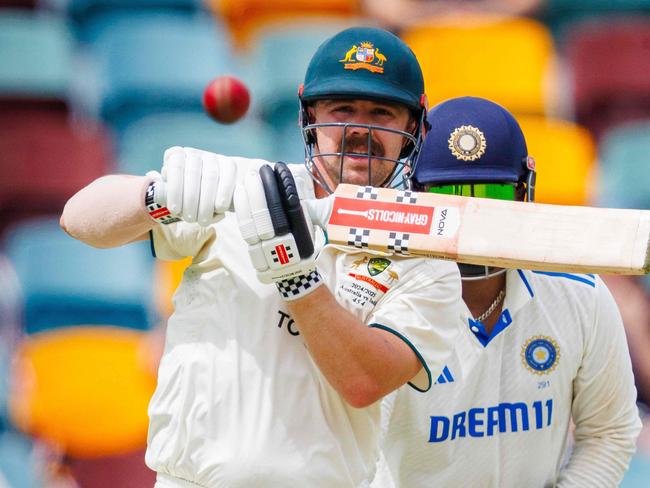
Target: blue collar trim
{"type": "Point", "coordinates": [481, 334]}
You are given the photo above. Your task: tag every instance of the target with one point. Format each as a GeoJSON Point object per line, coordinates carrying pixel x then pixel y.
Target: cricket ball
{"type": "Point", "coordinates": [226, 99]}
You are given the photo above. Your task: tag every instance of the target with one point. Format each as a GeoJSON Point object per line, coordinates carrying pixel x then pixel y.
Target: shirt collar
{"type": "Point", "coordinates": [519, 289]}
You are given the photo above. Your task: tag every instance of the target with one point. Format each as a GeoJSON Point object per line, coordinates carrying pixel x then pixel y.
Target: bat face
{"type": "Point", "coordinates": [492, 232]}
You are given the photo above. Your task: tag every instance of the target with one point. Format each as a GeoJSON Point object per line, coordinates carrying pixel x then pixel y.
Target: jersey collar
{"type": "Point", "coordinates": [519, 292]}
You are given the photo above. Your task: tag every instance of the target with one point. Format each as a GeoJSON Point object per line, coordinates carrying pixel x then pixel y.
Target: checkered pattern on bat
{"type": "Point", "coordinates": [358, 237]}
{"type": "Point", "coordinates": [406, 196]}
{"type": "Point", "coordinates": [368, 193]}
{"type": "Point", "coordinates": [398, 242]}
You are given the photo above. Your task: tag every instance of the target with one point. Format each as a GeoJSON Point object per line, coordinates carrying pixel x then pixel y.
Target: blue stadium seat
{"type": "Point", "coordinates": [155, 62]}
{"type": "Point", "coordinates": [82, 10]}
{"type": "Point", "coordinates": [276, 68]}
{"type": "Point", "coordinates": [624, 172]}
{"type": "Point", "coordinates": [560, 15]}
{"type": "Point", "coordinates": [624, 180]}
{"type": "Point", "coordinates": [19, 465]}
{"type": "Point", "coordinates": [35, 55]}
{"type": "Point", "coordinates": [143, 143]}
{"type": "Point", "coordinates": [64, 282]}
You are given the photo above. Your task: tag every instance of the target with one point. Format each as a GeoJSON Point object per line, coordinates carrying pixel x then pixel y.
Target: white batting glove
{"type": "Point", "coordinates": [274, 257]}
{"type": "Point", "coordinates": [199, 185]}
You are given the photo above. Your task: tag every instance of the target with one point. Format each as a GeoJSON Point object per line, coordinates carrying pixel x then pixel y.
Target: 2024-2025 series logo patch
{"type": "Point", "coordinates": [540, 354]}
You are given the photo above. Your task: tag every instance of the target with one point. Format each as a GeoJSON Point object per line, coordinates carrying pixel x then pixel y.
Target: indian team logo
{"type": "Point", "coordinates": [364, 56]}
{"type": "Point", "coordinates": [540, 354]}
{"type": "Point", "coordinates": [467, 143]}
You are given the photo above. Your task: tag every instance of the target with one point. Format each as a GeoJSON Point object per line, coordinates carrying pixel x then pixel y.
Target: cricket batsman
{"type": "Point", "coordinates": [280, 348]}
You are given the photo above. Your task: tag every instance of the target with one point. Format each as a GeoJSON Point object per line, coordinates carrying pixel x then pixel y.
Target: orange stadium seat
{"type": "Point", "coordinates": [245, 17]}
{"type": "Point", "coordinates": [507, 60]}
{"type": "Point", "coordinates": [168, 275]}
{"type": "Point", "coordinates": [85, 389]}
{"type": "Point", "coordinates": [565, 154]}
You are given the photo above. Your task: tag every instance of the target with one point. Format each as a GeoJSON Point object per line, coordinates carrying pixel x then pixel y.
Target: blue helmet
{"type": "Point", "coordinates": [473, 140]}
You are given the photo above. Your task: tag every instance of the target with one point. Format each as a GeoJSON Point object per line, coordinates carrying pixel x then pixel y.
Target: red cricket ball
{"type": "Point", "coordinates": [226, 99]}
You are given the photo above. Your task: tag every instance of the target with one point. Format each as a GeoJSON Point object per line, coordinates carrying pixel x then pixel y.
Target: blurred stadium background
{"type": "Point", "coordinates": [90, 87]}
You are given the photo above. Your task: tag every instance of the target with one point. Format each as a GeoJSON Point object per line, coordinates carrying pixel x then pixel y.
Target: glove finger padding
{"type": "Point", "coordinates": [173, 172]}
{"type": "Point", "coordinates": [192, 185]}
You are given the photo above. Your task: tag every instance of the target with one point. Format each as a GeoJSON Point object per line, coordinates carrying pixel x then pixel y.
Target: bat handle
{"type": "Point", "coordinates": [320, 210]}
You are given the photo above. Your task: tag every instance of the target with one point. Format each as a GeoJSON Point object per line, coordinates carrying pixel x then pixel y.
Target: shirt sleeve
{"type": "Point", "coordinates": [180, 240]}
{"type": "Point", "coordinates": [604, 407]}
{"type": "Point", "coordinates": [423, 311]}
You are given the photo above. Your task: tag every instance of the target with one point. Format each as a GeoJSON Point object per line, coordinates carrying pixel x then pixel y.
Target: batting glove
{"type": "Point", "coordinates": [197, 185]}
{"type": "Point", "coordinates": [278, 231]}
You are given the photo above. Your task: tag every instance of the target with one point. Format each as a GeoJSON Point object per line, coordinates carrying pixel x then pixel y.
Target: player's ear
{"type": "Point", "coordinates": [311, 114]}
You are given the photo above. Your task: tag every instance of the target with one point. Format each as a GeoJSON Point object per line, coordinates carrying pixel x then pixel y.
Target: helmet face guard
{"type": "Point", "coordinates": [403, 167]}
{"type": "Point", "coordinates": [363, 63]}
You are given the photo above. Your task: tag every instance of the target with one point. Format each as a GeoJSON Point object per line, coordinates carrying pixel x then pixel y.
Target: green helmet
{"type": "Point", "coordinates": [370, 64]}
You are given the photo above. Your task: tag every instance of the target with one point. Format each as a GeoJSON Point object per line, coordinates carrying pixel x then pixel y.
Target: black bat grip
{"type": "Point", "coordinates": [274, 201]}
{"type": "Point", "coordinates": [293, 209]}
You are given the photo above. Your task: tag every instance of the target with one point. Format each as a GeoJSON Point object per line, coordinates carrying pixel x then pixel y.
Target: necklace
{"type": "Point", "coordinates": [491, 308]}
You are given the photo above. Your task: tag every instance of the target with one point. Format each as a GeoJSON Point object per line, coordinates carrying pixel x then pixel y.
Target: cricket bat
{"type": "Point", "coordinates": [489, 232]}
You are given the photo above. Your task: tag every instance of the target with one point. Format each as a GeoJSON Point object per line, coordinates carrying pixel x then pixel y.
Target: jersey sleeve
{"type": "Point", "coordinates": [180, 240]}
{"type": "Point", "coordinates": [423, 311]}
{"type": "Point", "coordinates": [604, 403]}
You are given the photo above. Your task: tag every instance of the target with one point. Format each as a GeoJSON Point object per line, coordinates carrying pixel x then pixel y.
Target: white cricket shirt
{"type": "Point", "coordinates": [498, 415]}
{"type": "Point", "coordinates": [239, 401]}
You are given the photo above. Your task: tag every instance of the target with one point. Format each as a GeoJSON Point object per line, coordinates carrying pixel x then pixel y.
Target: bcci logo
{"type": "Point", "coordinates": [467, 143]}
{"type": "Point", "coordinates": [540, 354]}
{"type": "Point", "coordinates": [364, 56]}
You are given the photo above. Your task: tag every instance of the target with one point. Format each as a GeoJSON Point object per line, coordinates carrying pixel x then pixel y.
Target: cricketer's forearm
{"type": "Point", "coordinates": [109, 212]}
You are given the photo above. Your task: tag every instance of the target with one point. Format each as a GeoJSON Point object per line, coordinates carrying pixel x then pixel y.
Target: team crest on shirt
{"type": "Point", "coordinates": [364, 56]}
{"type": "Point", "coordinates": [366, 281]}
{"type": "Point", "coordinates": [377, 265]}
{"type": "Point", "coordinates": [540, 354]}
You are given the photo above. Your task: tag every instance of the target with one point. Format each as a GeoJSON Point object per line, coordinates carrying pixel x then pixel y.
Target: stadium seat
{"type": "Point", "coordinates": [123, 471]}
{"type": "Point", "coordinates": [610, 62]}
{"type": "Point", "coordinates": [153, 63]}
{"type": "Point", "coordinates": [64, 282]}
{"type": "Point", "coordinates": [20, 465]}
{"type": "Point", "coordinates": [562, 14]}
{"type": "Point", "coordinates": [507, 60]}
{"type": "Point", "coordinates": [565, 155]}
{"type": "Point", "coordinates": [168, 275]}
{"type": "Point", "coordinates": [36, 53]}
{"type": "Point", "coordinates": [44, 160]}
{"type": "Point", "coordinates": [144, 142]}
{"type": "Point", "coordinates": [246, 18]}
{"type": "Point", "coordinates": [624, 170]}
{"type": "Point", "coordinates": [82, 12]}
{"type": "Point", "coordinates": [275, 78]}
{"type": "Point", "coordinates": [85, 389]}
